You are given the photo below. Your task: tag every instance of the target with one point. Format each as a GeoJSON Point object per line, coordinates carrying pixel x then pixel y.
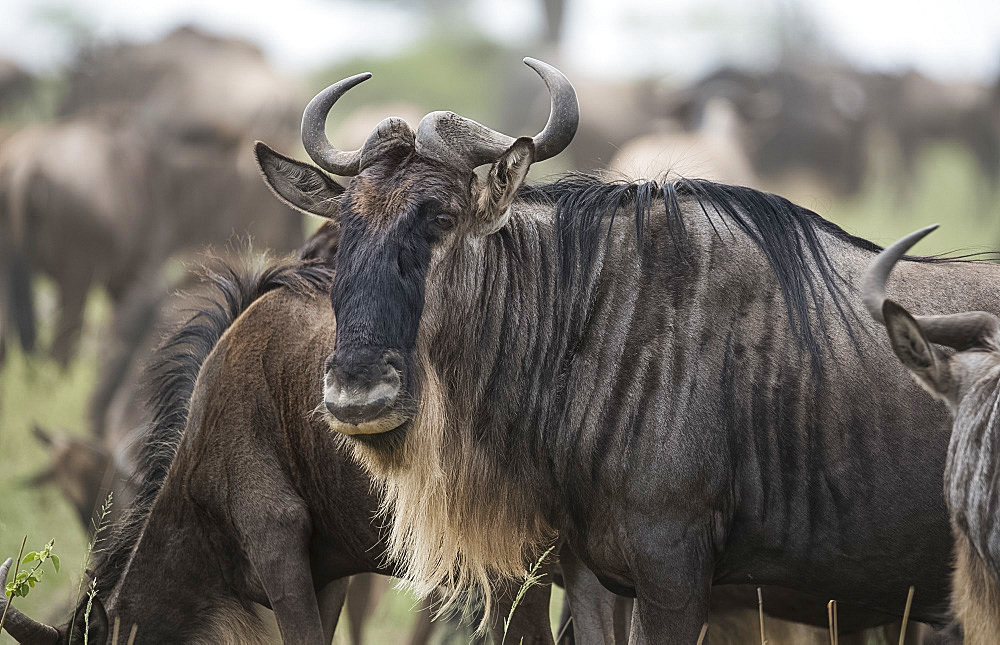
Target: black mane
{"type": "Point", "coordinates": [787, 235]}
{"type": "Point", "coordinates": [170, 378]}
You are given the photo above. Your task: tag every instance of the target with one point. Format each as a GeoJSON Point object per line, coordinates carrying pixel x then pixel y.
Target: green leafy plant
{"type": "Point", "coordinates": [25, 581]}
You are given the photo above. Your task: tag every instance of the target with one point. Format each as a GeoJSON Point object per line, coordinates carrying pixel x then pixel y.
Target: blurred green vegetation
{"type": "Point", "coordinates": [35, 390]}
{"type": "Point", "coordinates": [948, 190]}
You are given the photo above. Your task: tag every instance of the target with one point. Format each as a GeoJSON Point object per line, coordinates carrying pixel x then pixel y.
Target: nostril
{"type": "Point", "coordinates": [392, 361]}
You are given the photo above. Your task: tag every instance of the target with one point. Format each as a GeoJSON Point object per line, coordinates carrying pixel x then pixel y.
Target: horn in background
{"type": "Point", "coordinates": [960, 331]}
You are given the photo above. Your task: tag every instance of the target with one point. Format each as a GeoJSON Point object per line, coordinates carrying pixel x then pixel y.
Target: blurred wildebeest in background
{"type": "Point", "coordinates": [915, 111]}
{"type": "Point", "coordinates": [811, 125]}
{"type": "Point", "coordinates": [78, 204]}
{"type": "Point", "coordinates": [15, 84]}
{"type": "Point", "coordinates": [797, 124]}
{"type": "Point", "coordinates": [713, 150]}
{"type": "Point", "coordinates": [151, 157]}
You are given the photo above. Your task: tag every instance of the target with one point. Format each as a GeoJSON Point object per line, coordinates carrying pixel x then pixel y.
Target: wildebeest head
{"type": "Point", "coordinates": [412, 198]}
{"type": "Point", "coordinates": [974, 334]}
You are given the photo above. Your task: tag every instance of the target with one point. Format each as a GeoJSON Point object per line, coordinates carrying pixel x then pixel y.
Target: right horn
{"type": "Point", "coordinates": [959, 331]}
{"type": "Point", "coordinates": [24, 630]}
{"type": "Point", "coordinates": [462, 142]}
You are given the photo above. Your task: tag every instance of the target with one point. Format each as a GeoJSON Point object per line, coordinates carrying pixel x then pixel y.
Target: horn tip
{"type": "Point", "coordinates": [918, 235]}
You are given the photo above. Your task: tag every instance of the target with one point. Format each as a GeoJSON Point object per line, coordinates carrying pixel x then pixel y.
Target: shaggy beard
{"type": "Point", "coordinates": [455, 520]}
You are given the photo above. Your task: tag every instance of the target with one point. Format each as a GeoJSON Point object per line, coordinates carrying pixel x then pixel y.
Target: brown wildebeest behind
{"type": "Point", "coordinates": [675, 377]}
{"type": "Point", "coordinates": [85, 469]}
{"type": "Point", "coordinates": [249, 483]}
{"type": "Point", "coordinates": [967, 380]}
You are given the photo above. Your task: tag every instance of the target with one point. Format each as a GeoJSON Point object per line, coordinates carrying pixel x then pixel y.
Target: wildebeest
{"type": "Point", "coordinates": [713, 151]}
{"type": "Point", "coordinates": [916, 111]}
{"type": "Point", "coordinates": [800, 122]}
{"type": "Point", "coordinates": [674, 376]}
{"type": "Point", "coordinates": [80, 224]}
{"type": "Point", "coordinates": [148, 159]}
{"type": "Point", "coordinates": [15, 84]}
{"type": "Point", "coordinates": [968, 382]}
{"type": "Point", "coordinates": [245, 494]}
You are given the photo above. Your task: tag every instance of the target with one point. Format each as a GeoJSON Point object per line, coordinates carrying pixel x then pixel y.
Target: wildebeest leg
{"type": "Point", "coordinates": [623, 618]}
{"type": "Point", "coordinates": [529, 623]}
{"type": "Point", "coordinates": [672, 567]}
{"type": "Point", "coordinates": [423, 627]}
{"type": "Point", "coordinates": [590, 604]}
{"type": "Point", "coordinates": [275, 529]}
{"type": "Point", "coordinates": [331, 601]}
{"type": "Point", "coordinates": [73, 290]}
{"type": "Point", "coordinates": [359, 604]}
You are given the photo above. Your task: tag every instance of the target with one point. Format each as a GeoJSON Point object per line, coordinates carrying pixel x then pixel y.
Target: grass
{"type": "Point", "coordinates": [36, 390]}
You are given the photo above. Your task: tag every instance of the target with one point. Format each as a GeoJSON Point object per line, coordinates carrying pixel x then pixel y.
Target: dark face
{"type": "Point", "coordinates": [399, 218]}
{"type": "Point", "coordinates": [393, 216]}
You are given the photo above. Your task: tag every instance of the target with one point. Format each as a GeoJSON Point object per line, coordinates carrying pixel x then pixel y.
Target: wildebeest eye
{"type": "Point", "coordinates": [444, 221]}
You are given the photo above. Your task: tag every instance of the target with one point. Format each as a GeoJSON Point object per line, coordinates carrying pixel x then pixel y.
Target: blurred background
{"type": "Point", "coordinates": [126, 130]}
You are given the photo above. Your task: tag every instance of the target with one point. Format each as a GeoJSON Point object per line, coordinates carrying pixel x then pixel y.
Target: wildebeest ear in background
{"type": "Point", "coordinates": [914, 350]}
{"type": "Point", "coordinates": [42, 435]}
{"type": "Point", "coordinates": [502, 183]}
{"type": "Point", "coordinates": [300, 185]}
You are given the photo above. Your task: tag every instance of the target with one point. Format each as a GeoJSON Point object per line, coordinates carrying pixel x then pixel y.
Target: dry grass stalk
{"type": "Point", "coordinates": [701, 636]}
{"type": "Point", "coordinates": [760, 613]}
{"type": "Point", "coordinates": [906, 615]}
{"type": "Point", "coordinates": [831, 616]}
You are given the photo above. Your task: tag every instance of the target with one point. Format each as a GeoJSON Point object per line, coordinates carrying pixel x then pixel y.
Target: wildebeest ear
{"type": "Point", "coordinates": [300, 185]}
{"type": "Point", "coordinates": [913, 349]}
{"type": "Point", "coordinates": [502, 183]}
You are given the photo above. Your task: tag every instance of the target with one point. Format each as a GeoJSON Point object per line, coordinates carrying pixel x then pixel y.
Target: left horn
{"type": "Point", "coordinates": [959, 331]}
{"type": "Point", "coordinates": [462, 142]}
{"type": "Point", "coordinates": [24, 630]}
{"type": "Point", "coordinates": [314, 139]}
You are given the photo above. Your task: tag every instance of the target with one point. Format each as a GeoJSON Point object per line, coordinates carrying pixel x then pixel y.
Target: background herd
{"type": "Point", "coordinates": [119, 170]}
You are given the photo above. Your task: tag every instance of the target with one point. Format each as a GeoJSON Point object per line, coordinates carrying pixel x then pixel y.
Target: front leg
{"type": "Point", "coordinates": [275, 535]}
{"type": "Point", "coordinates": [590, 604]}
{"type": "Point", "coordinates": [331, 602]}
{"type": "Point", "coordinates": [672, 566]}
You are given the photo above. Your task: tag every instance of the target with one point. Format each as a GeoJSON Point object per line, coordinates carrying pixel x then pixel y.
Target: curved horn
{"type": "Point", "coordinates": [462, 142]}
{"type": "Point", "coordinates": [314, 140]}
{"type": "Point", "coordinates": [960, 331]}
{"type": "Point", "coordinates": [564, 113]}
{"type": "Point", "coordinates": [24, 630]}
